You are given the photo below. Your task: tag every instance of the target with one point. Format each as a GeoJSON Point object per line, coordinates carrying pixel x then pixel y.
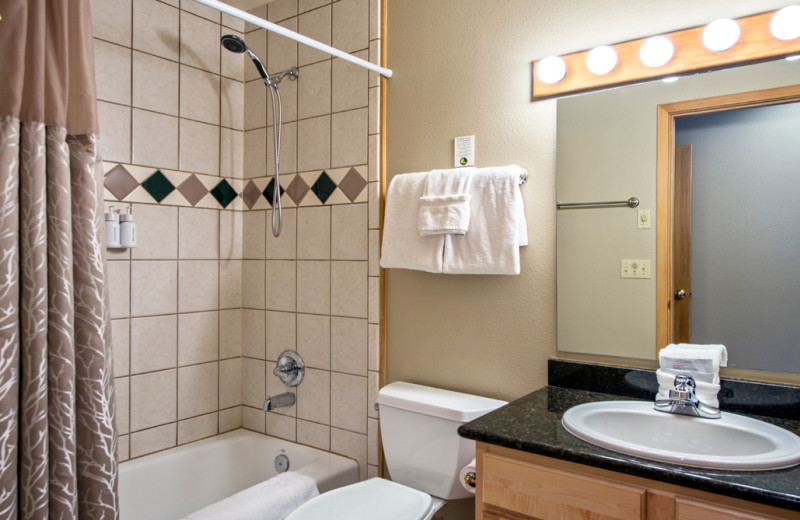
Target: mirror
{"type": "Point", "coordinates": [606, 150]}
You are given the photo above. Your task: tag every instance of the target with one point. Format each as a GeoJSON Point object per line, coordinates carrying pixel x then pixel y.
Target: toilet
{"type": "Point", "coordinates": [424, 456]}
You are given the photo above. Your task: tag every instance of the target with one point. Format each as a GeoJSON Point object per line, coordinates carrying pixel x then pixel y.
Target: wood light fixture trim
{"type": "Point", "coordinates": [756, 43]}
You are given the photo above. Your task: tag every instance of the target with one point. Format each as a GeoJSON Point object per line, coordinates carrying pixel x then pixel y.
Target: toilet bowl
{"type": "Point", "coordinates": [423, 454]}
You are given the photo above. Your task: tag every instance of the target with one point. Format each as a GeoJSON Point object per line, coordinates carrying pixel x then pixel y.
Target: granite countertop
{"type": "Point", "coordinates": [533, 424]}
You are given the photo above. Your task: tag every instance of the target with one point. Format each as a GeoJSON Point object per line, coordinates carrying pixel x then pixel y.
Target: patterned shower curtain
{"type": "Point", "coordinates": [57, 437]}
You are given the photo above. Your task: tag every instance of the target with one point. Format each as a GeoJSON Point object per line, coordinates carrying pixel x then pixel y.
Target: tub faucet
{"type": "Point", "coordinates": [279, 401]}
{"type": "Point", "coordinates": [684, 401]}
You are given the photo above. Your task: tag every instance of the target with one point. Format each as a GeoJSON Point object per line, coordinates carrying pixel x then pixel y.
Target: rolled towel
{"type": "Point", "coordinates": [272, 499]}
{"type": "Point", "coordinates": [469, 468]}
{"type": "Point", "coordinates": [702, 364]}
{"type": "Point", "coordinates": [723, 352]}
{"type": "Point", "coordinates": [705, 392]}
{"type": "Point", "coordinates": [445, 202]}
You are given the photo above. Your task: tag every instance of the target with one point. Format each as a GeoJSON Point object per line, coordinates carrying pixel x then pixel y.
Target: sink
{"type": "Point", "coordinates": [732, 442]}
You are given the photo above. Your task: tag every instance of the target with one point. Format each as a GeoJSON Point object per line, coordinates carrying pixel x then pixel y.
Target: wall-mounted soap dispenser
{"type": "Point", "coordinates": [127, 228]}
{"type": "Point", "coordinates": [112, 229]}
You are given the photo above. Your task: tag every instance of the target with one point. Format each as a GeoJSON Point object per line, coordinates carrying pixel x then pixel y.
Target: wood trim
{"type": "Point", "coordinates": [755, 44]}
{"type": "Point", "coordinates": [381, 272]}
{"type": "Point", "coordinates": [682, 243]}
{"type": "Point", "coordinates": [665, 171]}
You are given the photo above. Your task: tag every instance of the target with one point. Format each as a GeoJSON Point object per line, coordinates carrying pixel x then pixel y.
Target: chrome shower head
{"type": "Point", "coordinates": [233, 43]}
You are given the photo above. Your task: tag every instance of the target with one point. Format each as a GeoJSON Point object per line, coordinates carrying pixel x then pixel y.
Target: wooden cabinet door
{"type": "Point", "coordinates": [690, 509]}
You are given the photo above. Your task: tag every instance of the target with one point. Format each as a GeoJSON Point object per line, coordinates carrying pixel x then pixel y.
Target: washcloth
{"type": "Point", "coordinates": [272, 499]}
{"type": "Point", "coordinates": [723, 352]}
{"type": "Point", "coordinates": [402, 245]}
{"type": "Point", "coordinates": [705, 392]}
{"type": "Point", "coordinates": [497, 226]}
{"type": "Point", "coordinates": [445, 202]}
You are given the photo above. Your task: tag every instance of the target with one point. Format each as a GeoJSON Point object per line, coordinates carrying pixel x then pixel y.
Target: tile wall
{"type": "Point", "coordinates": [202, 308]}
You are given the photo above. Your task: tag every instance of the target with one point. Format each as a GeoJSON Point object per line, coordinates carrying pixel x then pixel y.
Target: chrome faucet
{"type": "Point", "coordinates": [684, 401]}
{"type": "Point", "coordinates": [279, 401]}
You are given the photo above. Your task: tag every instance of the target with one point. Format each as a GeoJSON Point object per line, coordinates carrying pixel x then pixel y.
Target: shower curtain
{"type": "Point", "coordinates": [57, 438]}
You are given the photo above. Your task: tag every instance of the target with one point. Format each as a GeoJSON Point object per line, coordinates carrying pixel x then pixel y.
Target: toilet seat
{"type": "Point", "coordinates": [368, 500]}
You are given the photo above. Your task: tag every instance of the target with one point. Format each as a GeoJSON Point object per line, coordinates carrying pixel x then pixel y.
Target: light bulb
{"type": "Point", "coordinates": [720, 35]}
{"type": "Point", "coordinates": [670, 79]}
{"type": "Point", "coordinates": [601, 60]}
{"type": "Point", "coordinates": [785, 24]}
{"type": "Point", "coordinates": [656, 51]}
{"type": "Point", "coordinates": [551, 70]}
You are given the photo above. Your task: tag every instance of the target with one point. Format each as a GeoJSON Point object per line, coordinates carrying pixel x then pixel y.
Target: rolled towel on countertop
{"type": "Point", "coordinates": [723, 352]}
{"type": "Point", "coordinates": [701, 364]}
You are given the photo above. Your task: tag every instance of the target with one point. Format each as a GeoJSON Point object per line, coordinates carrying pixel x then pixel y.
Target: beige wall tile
{"type": "Point", "coordinates": [351, 445]}
{"type": "Point", "coordinates": [372, 471]}
{"type": "Point", "coordinates": [373, 380]}
{"type": "Point", "coordinates": [314, 233]}
{"type": "Point", "coordinates": [200, 10]}
{"type": "Point", "coordinates": [374, 299]}
{"type": "Point", "coordinates": [119, 288]}
{"type": "Point", "coordinates": [373, 444]}
{"type": "Point", "coordinates": [157, 232]}
{"type": "Point", "coordinates": [307, 5]}
{"type": "Point", "coordinates": [255, 99]}
{"type": "Point", "coordinates": [255, 157]}
{"type": "Point", "coordinates": [284, 246]}
{"type": "Point", "coordinates": [231, 146]}
{"type": "Point", "coordinates": [155, 83]}
{"type": "Point", "coordinates": [153, 399]}
{"type": "Point", "coordinates": [200, 45]}
{"type": "Point", "coordinates": [314, 435]}
{"type": "Point", "coordinates": [374, 125]}
{"type": "Point", "coordinates": [253, 382]}
{"type": "Point", "coordinates": [198, 337]}
{"type": "Point", "coordinates": [288, 158]}
{"type": "Point", "coordinates": [374, 252]}
{"type": "Point", "coordinates": [155, 28]}
{"type": "Point", "coordinates": [254, 237]}
{"type": "Point", "coordinates": [281, 333]}
{"type": "Point", "coordinates": [349, 232]}
{"type": "Point", "coordinates": [198, 388]}
{"type": "Point", "coordinates": [351, 25]}
{"type": "Point", "coordinates": [122, 393]}
{"type": "Point", "coordinates": [230, 235]}
{"type": "Point", "coordinates": [230, 419]}
{"type": "Point", "coordinates": [314, 144]}
{"type": "Point", "coordinates": [200, 95]}
{"type": "Point", "coordinates": [374, 204]}
{"type": "Point", "coordinates": [288, 101]}
{"type": "Point", "coordinates": [313, 396]}
{"type": "Point", "coordinates": [153, 440]}
{"type": "Point", "coordinates": [374, 149]}
{"type": "Point", "coordinates": [199, 233]}
{"type": "Point", "coordinates": [314, 90]}
{"type": "Point", "coordinates": [112, 72]}
{"type": "Point", "coordinates": [349, 402]}
{"type": "Point", "coordinates": [230, 333]}
{"type": "Point", "coordinates": [281, 285]}
{"type": "Point", "coordinates": [349, 351]}
{"type": "Point", "coordinates": [282, 426]}
{"type": "Point", "coordinates": [253, 333]}
{"type": "Point", "coordinates": [230, 383]}
{"type": "Point", "coordinates": [257, 42]}
{"type": "Point", "coordinates": [348, 138]}
{"type": "Point", "coordinates": [154, 287]}
{"type": "Point", "coordinates": [313, 287]}
{"type": "Point", "coordinates": [281, 51]}
{"type": "Point", "coordinates": [374, 346]}
{"type": "Point", "coordinates": [374, 19]}
{"type": "Point", "coordinates": [314, 340]}
{"type": "Point", "coordinates": [279, 10]}
{"type": "Point", "coordinates": [199, 285]}
{"type": "Point", "coordinates": [315, 24]}
{"type": "Point", "coordinates": [230, 284]}
{"type": "Point", "coordinates": [349, 289]}
{"type": "Point", "coordinates": [199, 147]}
{"type": "Point", "coordinates": [154, 343]}
{"type": "Point", "coordinates": [349, 84]}
{"type": "Point", "coordinates": [120, 342]}
{"type": "Point", "coordinates": [232, 103]}
{"type": "Point", "coordinates": [115, 131]}
{"type": "Point", "coordinates": [197, 428]}
{"type": "Point", "coordinates": [253, 284]}
{"type": "Point", "coordinates": [123, 448]}
{"type": "Point", "coordinates": [155, 139]}
{"type": "Point", "coordinates": [254, 419]}
{"type": "Point", "coordinates": [111, 20]}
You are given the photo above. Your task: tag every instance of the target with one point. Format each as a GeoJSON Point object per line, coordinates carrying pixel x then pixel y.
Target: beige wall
{"type": "Point", "coordinates": [462, 67]}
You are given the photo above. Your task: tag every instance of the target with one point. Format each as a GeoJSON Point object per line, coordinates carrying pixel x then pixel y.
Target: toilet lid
{"type": "Point", "coordinates": [368, 500]}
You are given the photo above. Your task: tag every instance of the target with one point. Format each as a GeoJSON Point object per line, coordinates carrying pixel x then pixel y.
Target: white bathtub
{"type": "Point", "coordinates": [173, 483]}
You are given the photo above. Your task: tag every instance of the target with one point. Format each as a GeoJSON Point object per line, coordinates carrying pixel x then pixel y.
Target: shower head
{"type": "Point", "coordinates": [233, 43]}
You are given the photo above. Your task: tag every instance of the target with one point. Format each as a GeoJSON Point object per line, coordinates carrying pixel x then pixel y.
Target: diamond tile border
{"type": "Point", "coordinates": [147, 185]}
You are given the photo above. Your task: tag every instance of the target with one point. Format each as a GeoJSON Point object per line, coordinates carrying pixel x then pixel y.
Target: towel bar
{"type": "Point", "coordinates": [631, 203]}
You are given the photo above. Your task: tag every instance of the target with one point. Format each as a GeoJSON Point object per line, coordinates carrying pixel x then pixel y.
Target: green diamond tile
{"type": "Point", "coordinates": [158, 186]}
{"type": "Point", "coordinates": [224, 193]}
{"type": "Point", "coordinates": [323, 187]}
{"type": "Point", "coordinates": [268, 191]}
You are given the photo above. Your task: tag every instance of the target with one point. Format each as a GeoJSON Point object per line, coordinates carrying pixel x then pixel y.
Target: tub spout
{"type": "Point", "coordinates": [279, 401]}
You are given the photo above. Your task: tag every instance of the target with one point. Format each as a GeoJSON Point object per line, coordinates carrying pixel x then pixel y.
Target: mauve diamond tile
{"type": "Point", "coordinates": [297, 189]}
{"type": "Point", "coordinates": [120, 182]}
{"type": "Point", "coordinates": [352, 184]}
{"type": "Point", "coordinates": [193, 189]}
{"type": "Point", "coordinates": [251, 194]}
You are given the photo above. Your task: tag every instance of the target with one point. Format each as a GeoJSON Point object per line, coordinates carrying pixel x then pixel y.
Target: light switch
{"type": "Point", "coordinates": [634, 268]}
{"type": "Point", "coordinates": [643, 219]}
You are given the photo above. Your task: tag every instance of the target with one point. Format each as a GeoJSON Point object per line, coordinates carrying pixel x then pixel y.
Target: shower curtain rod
{"type": "Point", "coordinates": [305, 40]}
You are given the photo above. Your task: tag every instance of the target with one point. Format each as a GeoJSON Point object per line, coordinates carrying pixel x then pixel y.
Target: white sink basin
{"type": "Point", "coordinates": [732, 442]}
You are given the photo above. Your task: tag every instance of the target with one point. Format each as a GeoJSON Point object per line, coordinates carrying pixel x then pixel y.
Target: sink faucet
{"type": "Point", "coordinates": [684, 401]}
{"type": "Point", "coordinates": [279, 401]}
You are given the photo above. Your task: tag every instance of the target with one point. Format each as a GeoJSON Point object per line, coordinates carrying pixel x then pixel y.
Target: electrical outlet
{"type": "Point", "coordinates": [634, 268]}
{"type": "Point", "coordinates": [643, 219]}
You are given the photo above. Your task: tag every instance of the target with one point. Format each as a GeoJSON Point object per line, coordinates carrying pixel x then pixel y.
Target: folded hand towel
{"type": "Point", "coordinates": [444, 205]}
{"type": "Point", "coordinates": [723, 352]}
{"type": "Point", "coordinates": [705, 392]}
{"type": "Point", "coordinates": [497, 226]}
{"type": "Point", "coordinates": [402, 246]}
{"type": "Point", "coordinates": [702, 364]}
{"type": "Point", "coordinates": [272, 499]}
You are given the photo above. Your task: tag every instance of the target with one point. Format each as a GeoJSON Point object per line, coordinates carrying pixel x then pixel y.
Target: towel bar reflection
{"type": "Point", "coordinates": [631, 203]}
{"type": "Point", "coordinates": [523, 177]}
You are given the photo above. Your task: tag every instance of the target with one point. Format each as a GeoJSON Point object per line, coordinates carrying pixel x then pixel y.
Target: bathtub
{"type": "Point", "coordinates": [173, 483]}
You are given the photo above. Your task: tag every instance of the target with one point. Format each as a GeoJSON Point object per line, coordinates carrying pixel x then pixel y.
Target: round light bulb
{"type": "Point", "coordinates": [601, 60]}
{"type": "Point", "coordinates": [656, 51]}
{"type": "Point", "coordinates": [551, 70]}
{"type": "Point", "coordinates": [720, 35]}
{"type": "Point", "coordinates": [785, 24]}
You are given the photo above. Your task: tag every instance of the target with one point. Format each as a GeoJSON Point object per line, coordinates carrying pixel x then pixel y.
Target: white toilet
{"type": "Point", "coordinates": [424, 456]}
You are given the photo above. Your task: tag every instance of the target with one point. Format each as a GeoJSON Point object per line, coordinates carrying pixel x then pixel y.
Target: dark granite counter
{"type": "Point", "coordinates": [533, 424]}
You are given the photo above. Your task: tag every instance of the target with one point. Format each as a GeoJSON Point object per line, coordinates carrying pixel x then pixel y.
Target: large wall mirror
{"type": "Point", "coordinates": [607, 150]}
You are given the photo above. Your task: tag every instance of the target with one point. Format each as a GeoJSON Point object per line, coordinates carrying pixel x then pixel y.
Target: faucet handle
{"type": "Point", "coordinates": [684, 388]}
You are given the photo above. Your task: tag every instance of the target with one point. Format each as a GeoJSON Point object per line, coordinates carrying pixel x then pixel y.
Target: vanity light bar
{"type": "Point", "coordinates": [755, 43]}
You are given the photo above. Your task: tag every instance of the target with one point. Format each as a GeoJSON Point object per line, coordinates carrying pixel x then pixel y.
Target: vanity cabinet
{"type": "Point", "coordinates": [516, 485]}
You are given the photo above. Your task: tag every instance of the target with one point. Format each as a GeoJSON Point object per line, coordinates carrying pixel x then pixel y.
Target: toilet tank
{"type": "Point", "coordinates": [420, 442]}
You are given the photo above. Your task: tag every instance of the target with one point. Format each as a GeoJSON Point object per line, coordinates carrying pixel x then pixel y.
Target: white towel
{"type": "Point", "coordinates": [705, 392]}
{"type": "Point", "coordinates": [497, 226]}
{"type": "Point", "coordinates": [445, 202]}
{"type": "Point", "coordinates": [723, 352]}
{"type": "Point", "coordinates": [702, 364]}
{"type": "Point", "coordinates": [272, 499]}
{"type": "Point", "coordinates": [402, 246]}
